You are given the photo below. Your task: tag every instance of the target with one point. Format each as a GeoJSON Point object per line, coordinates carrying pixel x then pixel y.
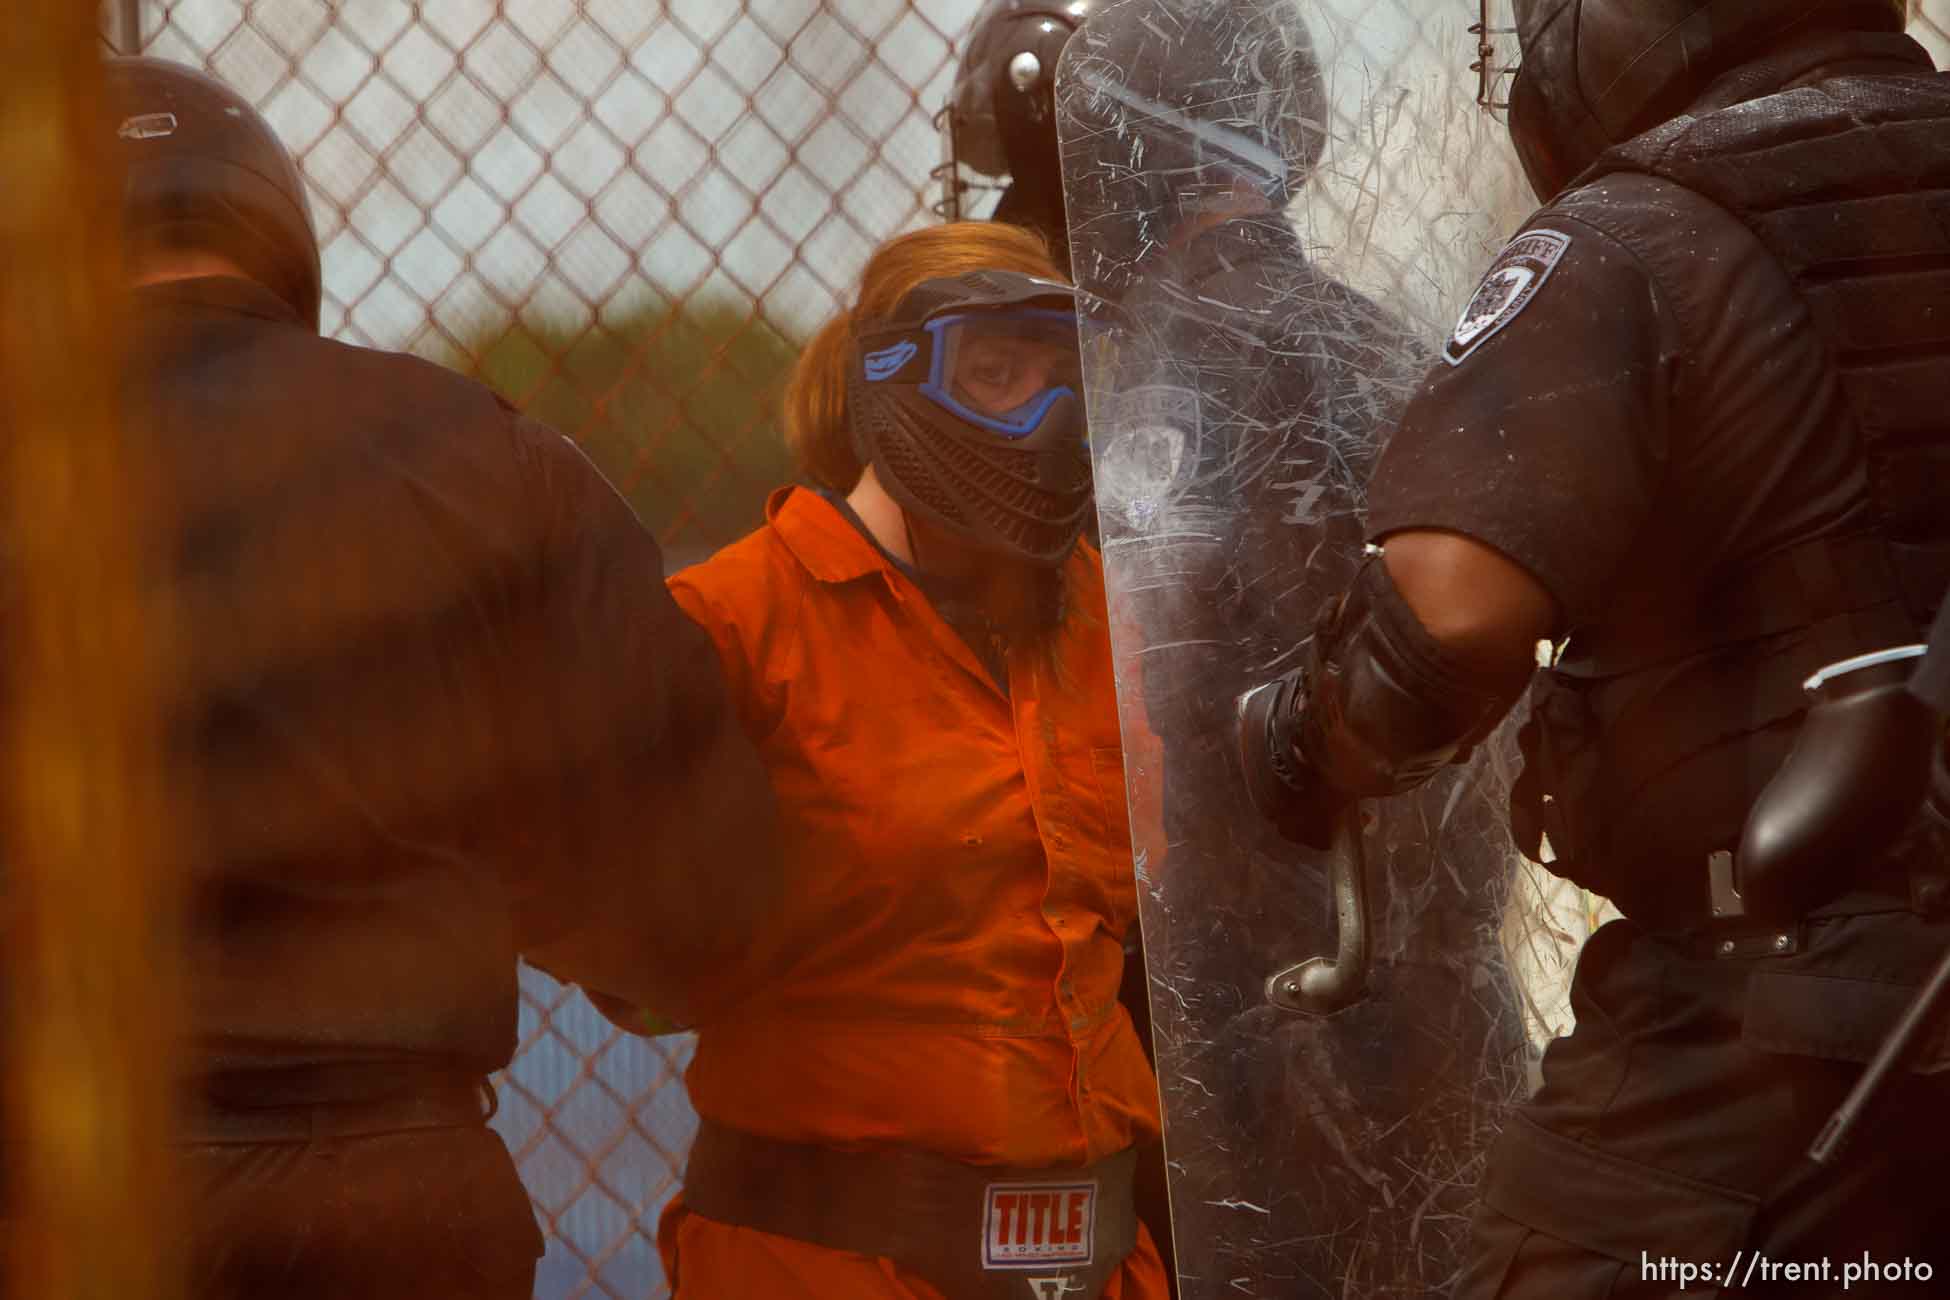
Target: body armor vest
{"type": "Point", "coordinates": [1847, 185]}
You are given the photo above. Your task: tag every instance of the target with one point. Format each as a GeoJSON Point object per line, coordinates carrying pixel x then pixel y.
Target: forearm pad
{"type": "Point", "coordinates": [1386, 705]}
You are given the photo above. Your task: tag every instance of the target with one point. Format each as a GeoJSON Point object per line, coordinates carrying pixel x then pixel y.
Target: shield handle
{"type": "Point", "coordinates": [1320, 986]}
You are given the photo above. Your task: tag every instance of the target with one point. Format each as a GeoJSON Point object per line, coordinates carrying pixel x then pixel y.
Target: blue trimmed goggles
{"type": "Point", "coordinates": [998, 369]}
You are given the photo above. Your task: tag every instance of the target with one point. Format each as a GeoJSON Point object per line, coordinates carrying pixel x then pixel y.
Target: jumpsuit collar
{"type": "Point", "coordinates": [816, 530]}
{"type": "Point", "coordinates": [820, 538]}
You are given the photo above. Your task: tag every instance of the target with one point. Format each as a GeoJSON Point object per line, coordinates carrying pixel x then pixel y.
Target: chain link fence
{"type": "Point", "coordinates": [1930, 23]}
{"type": "Point", "coordinates": [626, 216]}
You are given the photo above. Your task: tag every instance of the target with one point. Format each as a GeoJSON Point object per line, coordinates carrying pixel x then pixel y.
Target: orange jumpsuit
{"type": "Point", "coordinates": [944, 971]}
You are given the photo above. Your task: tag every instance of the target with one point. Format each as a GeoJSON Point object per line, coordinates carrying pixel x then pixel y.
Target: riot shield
{"type": "Point", "coordinates": [1275, 226]}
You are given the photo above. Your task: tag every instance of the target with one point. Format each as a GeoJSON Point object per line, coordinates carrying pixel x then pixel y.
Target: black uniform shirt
{"type": "Point", "coordinates": [1637, 407]}
{"type": "Point", "coordinates": [1651, 409]}
{"type": "Point", "coordinates": [434, 706]}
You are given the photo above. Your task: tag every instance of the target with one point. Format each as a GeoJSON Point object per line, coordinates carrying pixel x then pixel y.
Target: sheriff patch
{"type": "Point", "coordinates": [1035, 1225]}
{"type": "Point", "coordinates": [1513, 282]}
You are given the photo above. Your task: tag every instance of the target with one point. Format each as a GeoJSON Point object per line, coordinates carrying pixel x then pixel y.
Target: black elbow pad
{"type": "Point", "coordinates": [1387, 704]}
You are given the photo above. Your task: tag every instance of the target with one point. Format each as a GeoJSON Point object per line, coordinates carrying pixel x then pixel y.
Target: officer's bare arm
{"type": "Point", "coordinates": [1480, 605]}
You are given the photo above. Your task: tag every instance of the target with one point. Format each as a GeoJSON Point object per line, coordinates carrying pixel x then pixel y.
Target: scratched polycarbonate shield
{"type": "Point", "coordinates": [1277, 220]}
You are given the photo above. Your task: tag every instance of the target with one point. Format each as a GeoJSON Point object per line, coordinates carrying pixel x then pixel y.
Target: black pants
{"type": "Point", "coordinates": [420, 1215]}
{"type": "Point", "coordinates": [1668, 1138]}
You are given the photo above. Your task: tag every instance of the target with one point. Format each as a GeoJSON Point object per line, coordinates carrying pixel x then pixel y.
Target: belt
{"type": "Point", "coordinates": [1897, 883]}
{"type": "Point", "coordinates": [972, 1231]}
{"type": "Point", "coordinates": [450, 1102]}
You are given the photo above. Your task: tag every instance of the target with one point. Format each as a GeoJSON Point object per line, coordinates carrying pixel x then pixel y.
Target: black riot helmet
{"type": "Point", "coordinates": [968, 402]}
{"type": "Point", "coordinates": [1171, 104]}
{"type": "Point", "coordinates": [203, 170]}
{"type": "Point", "coordinates": [1595, 73]}
{"type": "Point", "coordinates": [999, 126]}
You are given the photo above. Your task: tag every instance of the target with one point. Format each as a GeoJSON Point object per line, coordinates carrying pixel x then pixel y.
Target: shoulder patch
{"type": "Point", "coordinates": [1511, 284]}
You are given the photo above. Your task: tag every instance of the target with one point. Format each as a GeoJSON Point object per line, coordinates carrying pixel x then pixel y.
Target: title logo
{"type": "Point", "coordinates": [1033, 1225]}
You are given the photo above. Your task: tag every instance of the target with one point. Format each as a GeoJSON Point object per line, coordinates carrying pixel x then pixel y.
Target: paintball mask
{"type": "Point", "coordinates": [967, 401]}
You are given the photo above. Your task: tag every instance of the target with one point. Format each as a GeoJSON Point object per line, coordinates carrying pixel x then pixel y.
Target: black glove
{"type": "Point", "coordinates": [1283, 786]}
{"type": "Point", "coordinates": [1378, 708]}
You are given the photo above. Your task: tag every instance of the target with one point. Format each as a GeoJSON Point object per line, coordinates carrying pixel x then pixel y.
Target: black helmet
{"type": "Point", "coordinates": [1595, 73]}
{"type": "Point", "coordinates": [1169, 104]}
{"type": "Point", "coordinates": [203, 170]}
{"type": "Point", "coordinates": [999, 127]}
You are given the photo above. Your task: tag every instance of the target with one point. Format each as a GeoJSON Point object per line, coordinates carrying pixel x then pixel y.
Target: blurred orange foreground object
{"type": "Point", "coordinates": [87, 1206]}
